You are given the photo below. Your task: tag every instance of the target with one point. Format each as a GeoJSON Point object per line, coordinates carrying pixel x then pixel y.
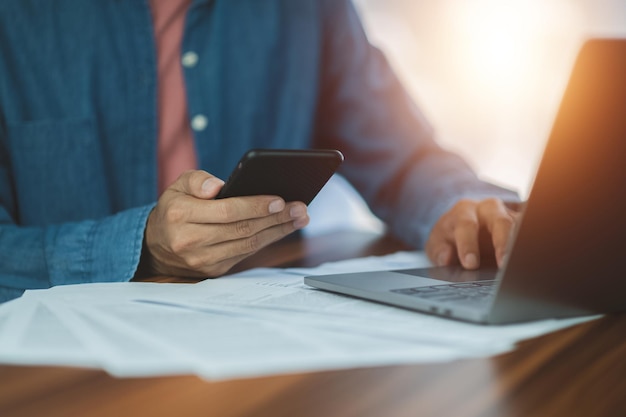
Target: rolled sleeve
{"type": "Point", "coordinates": [105, 250]}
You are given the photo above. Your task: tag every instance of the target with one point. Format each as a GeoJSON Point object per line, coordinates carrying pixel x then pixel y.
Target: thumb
{"type": "Point", "coordinates": [199, 184]}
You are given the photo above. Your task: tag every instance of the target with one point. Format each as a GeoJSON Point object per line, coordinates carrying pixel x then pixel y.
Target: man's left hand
{"type": "Point", "coordinates": [457, 235]}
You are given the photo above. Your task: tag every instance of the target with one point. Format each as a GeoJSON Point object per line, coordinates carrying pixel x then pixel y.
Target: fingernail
{"type": "Point", "coordinates": [297, 211]}
{"type": "Point", "coordinates": [442, 258]}
{"type": "Point", "coordinates": [300, 223]}
{"type": "Point", "coordinates": [276, 206]}
{"type": "Point", "coordinates": [500, 258]}
{"type": "Point", "coordinates": [211, 185]}
{"type": "Point", "coordinates": [471, 261]}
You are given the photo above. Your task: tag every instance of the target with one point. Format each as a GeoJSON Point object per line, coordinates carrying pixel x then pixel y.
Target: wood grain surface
{"type": "Point", "coordinates": [579, 371]}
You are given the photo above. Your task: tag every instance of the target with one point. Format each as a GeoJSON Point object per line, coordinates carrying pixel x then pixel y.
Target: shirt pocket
{"type": "Point", "coordinates": [58, 171]}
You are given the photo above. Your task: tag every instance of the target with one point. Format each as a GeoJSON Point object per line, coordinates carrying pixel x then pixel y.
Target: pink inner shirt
{"type": "Point", "coordinates": [176, 152]}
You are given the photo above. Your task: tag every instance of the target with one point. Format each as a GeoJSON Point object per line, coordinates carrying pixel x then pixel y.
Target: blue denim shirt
{"type": "Point", "coordinates": [78, 123]}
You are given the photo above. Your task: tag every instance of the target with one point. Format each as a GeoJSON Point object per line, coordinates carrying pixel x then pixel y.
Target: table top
{"type": "Point", "coordinates": [579, 371]}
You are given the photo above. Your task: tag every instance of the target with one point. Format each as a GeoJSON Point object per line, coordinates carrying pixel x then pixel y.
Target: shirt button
{"type": "Point", "coordinates": [199, 122]}
{"type": "Point", "coordinates": [190, 59]}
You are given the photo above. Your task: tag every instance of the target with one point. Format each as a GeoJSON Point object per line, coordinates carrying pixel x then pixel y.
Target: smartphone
{"type": "Point", "coordinates": [293, 174]}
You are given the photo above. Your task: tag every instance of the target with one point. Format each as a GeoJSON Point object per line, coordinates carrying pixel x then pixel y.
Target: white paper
{"type": "Point", "coordinates": [282, 299]}
{"type": "Point", "coordinates": [226, 344]}
{"type": "Point", "coordinates": [258, 322]}
{"type": "Point", "coordinates": [35, 335]}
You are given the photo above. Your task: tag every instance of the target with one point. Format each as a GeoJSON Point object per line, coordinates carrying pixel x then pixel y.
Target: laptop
{"type": "Point", "coordinates": [567, 256]}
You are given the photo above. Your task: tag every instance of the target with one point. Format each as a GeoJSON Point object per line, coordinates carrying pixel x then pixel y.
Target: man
{"type": "Point", "coordinates": [103, 104]}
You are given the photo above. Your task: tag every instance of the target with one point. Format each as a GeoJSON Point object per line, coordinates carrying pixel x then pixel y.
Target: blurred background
{"type": "Point", "coordinates": [488, 74]}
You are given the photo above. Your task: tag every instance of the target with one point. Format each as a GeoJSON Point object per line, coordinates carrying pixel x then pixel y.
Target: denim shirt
{"type": "Point", "coordinates": [78, 123]}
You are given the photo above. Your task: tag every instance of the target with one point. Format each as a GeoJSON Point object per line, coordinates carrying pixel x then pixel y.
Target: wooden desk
{"type": "Point", "coordinates": [579, 371]}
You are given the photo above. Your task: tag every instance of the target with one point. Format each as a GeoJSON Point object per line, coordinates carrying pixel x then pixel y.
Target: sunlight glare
{"type": "Point", "coordinates": [497, 39]}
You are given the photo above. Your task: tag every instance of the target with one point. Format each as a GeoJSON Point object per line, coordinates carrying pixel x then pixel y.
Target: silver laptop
{"type": "Point", "coordinates": [568, 253]}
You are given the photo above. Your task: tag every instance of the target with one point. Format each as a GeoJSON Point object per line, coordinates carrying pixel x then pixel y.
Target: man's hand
{"type": "Point", "coordinates": [189, 234]}
{"type": "Point", "coordinates": [471, 231]}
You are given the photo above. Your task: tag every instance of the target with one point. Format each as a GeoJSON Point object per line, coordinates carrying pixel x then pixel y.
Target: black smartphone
{"type": "Point", "coordinates": [293, 174]}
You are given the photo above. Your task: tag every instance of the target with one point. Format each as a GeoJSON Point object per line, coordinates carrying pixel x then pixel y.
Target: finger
{"type": "Point", "coordinates": [439, 248]}
{"type": "Point", "coordinates": [212, 260]}
{"type": "Point", "coordinates": [499, 222]}
{"type": "Point", "coordinates": [293, 212]}
{"type": "Point", "coordinates": [466, 236]}
{"type": "Point", "coordinates": [230, 210]}
{"type": "Point", "coordinates": [444, 254]}
{"type": "Point", "coordinates": [253, 243]}
{"type": "Point", "coordinates": [199, 184]}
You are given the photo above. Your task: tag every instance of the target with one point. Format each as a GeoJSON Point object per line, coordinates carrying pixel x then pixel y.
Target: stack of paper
{"type": "Point", "coordinates": [259, 322]}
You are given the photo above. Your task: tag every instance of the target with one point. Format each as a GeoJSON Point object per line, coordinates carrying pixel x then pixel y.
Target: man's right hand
{"type": "Point", "coordinates": [191, 235]}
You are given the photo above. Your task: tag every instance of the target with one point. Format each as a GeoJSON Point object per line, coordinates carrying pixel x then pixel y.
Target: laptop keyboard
{"type": "Point", "coordinates": [468, 293]}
